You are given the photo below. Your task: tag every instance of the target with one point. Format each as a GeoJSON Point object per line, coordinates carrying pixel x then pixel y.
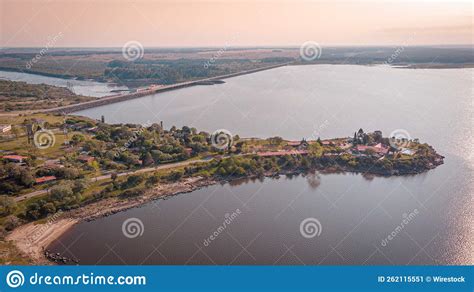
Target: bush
{"type": "Point", "coordinates": [26, 178]}
{"type": "Point", "coordinates": [11, 222]}
{"type": "Point", "coordinates": [132, 181]}
{"type": "Point", "coordinates": [7, 206]}
{"type": "Point", "coordinates": [175, 175]}
{"type": "Point", "coordinates": [33, 211]}
{"type": "Point", "coordinates": [134, 192]}
{"type": "Point", "coordinates": [79, 185]}
{"type": "Point", "coordinates": [59, 192]}
{"type": "Point", "coordinates": [152, 180]}
{"type": "Point", "coordinates": [8, 188]}
{"type": "Point", "coordinates": [47, 209]}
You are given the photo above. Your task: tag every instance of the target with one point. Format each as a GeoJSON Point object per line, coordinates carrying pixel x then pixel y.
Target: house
{"type": "Point", "coordinates": [15, 158]}
{"type": "Point", "coordinates": [5, 128]}
{"type": "Point", "coordinates": [93, 129]}
{"type": "Point", "coordinates": [53, 163]}
{"type": "Point", "coordinates": [300, 145]}
{"type": "Point", "coordinates": [294, 143]}
{"type": "Point", "coordinates": [85, 158]}
{"type": "Point", "coordinates": [45, 179]}
{"type": "Point", "coordinates": [344, 145]}
{"type": "Point", "coordinates": [407, 151]}
{"type": "Point", "coordinates": [379, 148]}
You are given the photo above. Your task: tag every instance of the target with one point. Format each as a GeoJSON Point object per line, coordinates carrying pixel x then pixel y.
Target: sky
{"type": "Point", "coordinates": [156, 23]}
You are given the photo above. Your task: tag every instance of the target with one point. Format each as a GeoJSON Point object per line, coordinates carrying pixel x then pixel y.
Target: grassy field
{"type": "Point", "coordinates": [21, 96]}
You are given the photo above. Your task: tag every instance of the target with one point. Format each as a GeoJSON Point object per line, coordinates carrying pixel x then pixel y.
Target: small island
{"type": "Point", "coordinates": [59, 170]}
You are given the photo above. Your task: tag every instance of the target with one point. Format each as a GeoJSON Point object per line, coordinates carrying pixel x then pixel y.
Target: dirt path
{"type": "Point", "coordinates": [107, 176]}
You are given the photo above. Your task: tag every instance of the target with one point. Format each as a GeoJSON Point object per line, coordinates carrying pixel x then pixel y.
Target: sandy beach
{"type": "Point", "coordinates": [32, 237]}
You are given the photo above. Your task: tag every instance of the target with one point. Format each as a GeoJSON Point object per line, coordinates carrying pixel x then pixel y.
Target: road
{"type": "Point", "coordinates": [123, 97]}
{"type": "Point", "coordinates": [107, 176]}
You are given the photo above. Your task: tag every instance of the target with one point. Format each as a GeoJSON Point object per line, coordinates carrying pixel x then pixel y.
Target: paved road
{"type": "Point", "coordinates": [122, 97]}
{"type": "Point", "coordinates": [107, 176]}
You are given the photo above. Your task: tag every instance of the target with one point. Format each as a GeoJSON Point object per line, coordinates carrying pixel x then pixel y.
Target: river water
{"type": "Point", "coordinates": [80, 87]}
{"type": "Point", "coordinates": [421, 219]}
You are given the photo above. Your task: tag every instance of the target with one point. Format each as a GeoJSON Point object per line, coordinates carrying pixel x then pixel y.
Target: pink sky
{"type": "Point", "coordinates": [100, 23]}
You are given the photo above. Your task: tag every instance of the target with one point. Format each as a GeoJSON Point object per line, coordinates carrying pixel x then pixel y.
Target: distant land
{"type": "Point", "coordinates": [174, 65]}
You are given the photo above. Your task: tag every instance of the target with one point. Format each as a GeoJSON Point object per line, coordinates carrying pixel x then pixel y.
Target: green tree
{"type": "Point", "coordinates": [79, 185]}
{"type": "Point", "coordinates": [147, 159]}
{"type": "Point", "coordinates": [61, 191]}
{"type": "Point", "coordinates": [7, 206]}
{"type": "Point", "coordinates": [26, 177]}
{"type": "Point", "coordinates": [47, 209]}
{"type": "Point", "coordinates": [77, 138]}
{"type": "Point", "coordinates": [315, 149]}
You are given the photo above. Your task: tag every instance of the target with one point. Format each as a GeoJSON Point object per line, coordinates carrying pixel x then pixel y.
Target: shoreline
{"type": "Point", "coordinates": [117, 97]}
{"type": "Point", "coordinates": [23, 237]}
{"type": "Point", "coordinates": [33, 239]}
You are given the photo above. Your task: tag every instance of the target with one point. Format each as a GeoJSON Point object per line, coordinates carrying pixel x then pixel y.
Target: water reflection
{"type": "Point", "coordinates": [356, 211]}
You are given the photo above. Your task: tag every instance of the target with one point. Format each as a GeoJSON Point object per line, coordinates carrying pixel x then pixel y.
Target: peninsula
{"type": "Point", "coordinates": [58, 170]}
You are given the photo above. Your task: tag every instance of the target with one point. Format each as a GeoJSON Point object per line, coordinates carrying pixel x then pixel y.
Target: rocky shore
{"type": "Point", "coordinates": [33, 238]}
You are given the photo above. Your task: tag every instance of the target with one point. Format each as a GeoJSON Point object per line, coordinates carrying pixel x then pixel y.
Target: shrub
{"type": "Point", "coordinates": [7, 205]}
{"type": "Point", "coordinates": [134, 192]}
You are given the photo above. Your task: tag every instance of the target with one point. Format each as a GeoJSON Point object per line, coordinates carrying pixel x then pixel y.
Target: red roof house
{"type": "Point", "coordinates": [85, 158]}
{"type": "Point", "coordinates": [15, 158]}
{"type": "Point", "coordinates": [379, 148]}
{"type": "Point", "coordinates": [44, 179]}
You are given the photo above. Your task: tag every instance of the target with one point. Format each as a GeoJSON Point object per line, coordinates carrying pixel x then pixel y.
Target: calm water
{"type": "Point", "coordinates": [356, 213]}
{"type": "Point", "coordinates": [80, 87]}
